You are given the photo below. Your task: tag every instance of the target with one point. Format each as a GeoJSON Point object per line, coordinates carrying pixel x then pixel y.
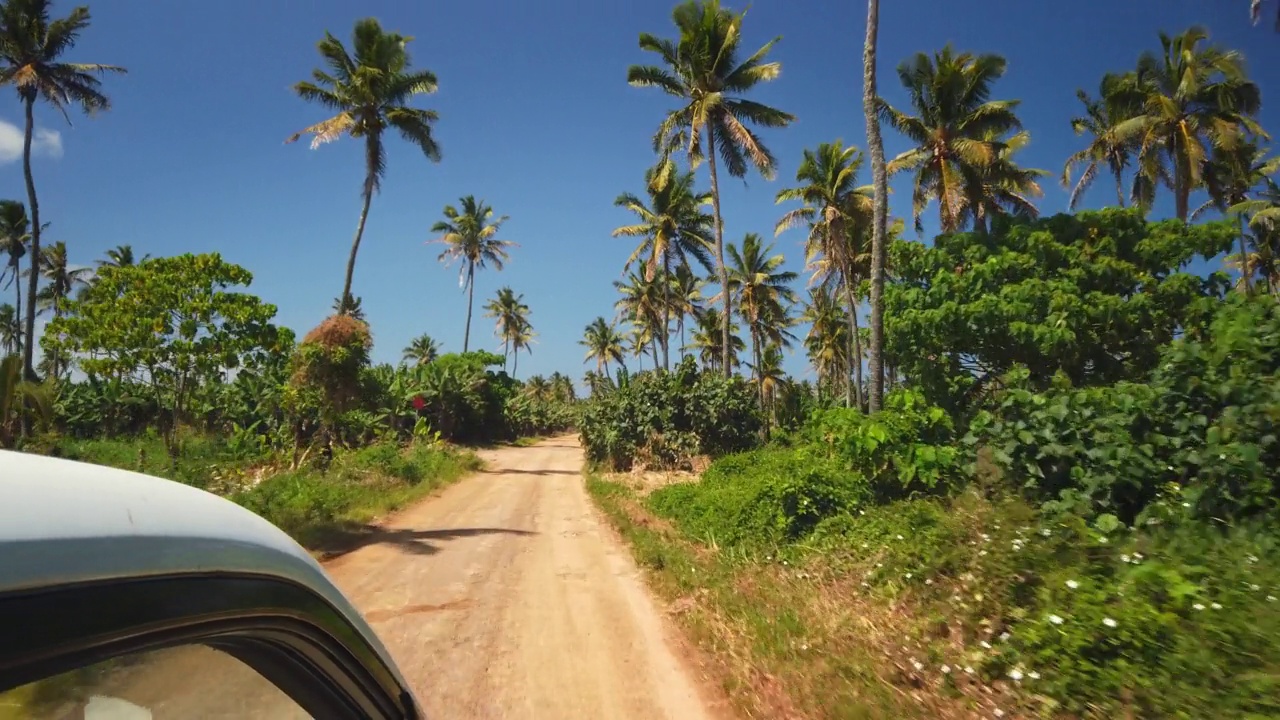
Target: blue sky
{"type": "Point", "coordinates": [536, 118]}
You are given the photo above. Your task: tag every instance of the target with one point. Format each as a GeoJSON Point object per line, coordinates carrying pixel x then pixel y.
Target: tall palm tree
{"type": "Point", "coordinates": [15, 234]}
{"type": "Point", "coordinates": [1187, 98]}
{"type": "Point", "coordinates": [1230, 175]}
{"type": "Point", "coordinates": [511, 314]}
{"type": "Point", "coordinates": [763, 292]}
{"type": "Point", "coordinates": [604, 345]}
{"type": "Point", "coordinates": [672, 226]}
{"type": "Point", "coordinates": [10, 329]}
{"type": "Point", "coordinates": [422, 350]}
{"type": "Point", "coordinates": [350, 306]}
{"type": "Point", "coordinates": [686, 299]}
{"type": "Point", "coordinates": [470, 235]}
{"type": "Point", "coordinates": [701, 69]}
{"type": "Point", "coordinates": [706, 339]}
{"type": "Point", "coordinates": [956, 130]}
{"type": "Point", "coordinates": [880, 211]}
{"type": "Point", "coordinates": [539, 389]}
{"type": "Point", "coordinates": [827, 342]}
{"type": "Point", "coordinates": [771, 377]}
{"type": "Point", "coordinates": [1106, 149]}
{"type": "Point", "coordinates": [31, 47]}
{"type": "Point", "coordinates": [562, 387]}
{"type": "Point", "coordinates": [839, 214]}
{"type": "Point", "coordinates": [1004, 188]}
{"type": "Point", "coordinates": [60, 280]}
{"type": "Point", "coordinates": [369, 88]}
{"type": "Point", "coordinates": [522, 339]}
{"type": "Point", "coordinates": [642, 303]}
{"type": "Point", "coordinates": [121, 256]}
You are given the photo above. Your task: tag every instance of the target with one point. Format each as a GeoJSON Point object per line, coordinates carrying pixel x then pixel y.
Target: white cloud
{"type": "Point", "coordinates": [44, 142]}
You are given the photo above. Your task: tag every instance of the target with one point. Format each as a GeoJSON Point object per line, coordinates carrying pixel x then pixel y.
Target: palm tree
{"type": "Point", "coordinates": [121, 256]}
{"type": "Point", "coordinates": [603, 344]}
{"type": "Point", "coordinates": [706, 339]}
{"type": "Point", "coordinates": [470, 235]}
{"type": "Point", "coordinates": [14, 236]}
{"type": "Point", "coordinates": [369, 89]}
{"type": "Point", "coordinates": [686, 299]}
{"type": "Point", "coordinates": [827, 342]}
{"type": "Point", "coordinates": [763, 292]}
{"type": "Point", "coordinates": [673, 226]}
{"type": "Point", "coordinates": [1002, 187]}
{"type": "Point", "coordinates": [701, 69]}
{"type": "Point", "coordinates": [10, 329]}
{"type": "Point", "coordinates": [1182, 101]}
{"type": "Point", "coordinates": [31, 45]}
{"type": "Point", "coordinates": [839, 214]}
{"type": "Point", "coordinates": [422, 350]}
{"type": "Point", "coordinates": [1106, 148]}
{"type": "Point", "coordinates": [512, 316]}
{"type": "Point", "coordinates": [349, 306]}
{"type": "Point", "coordinates": [562, 387]}
{"type": "Point", "coordinates": [60, 280]}
{"type": "Point", "coordinates": [521, 340]}
{"type": "Point", "coordinates": [642, 304]}
{"type": "Point", "coordinates": [880, 211]}
{"type": "Point", "coordinates": [539, 389]}
{"type": "Point", "coordinates": [956, 130]}
{"type": "Point", "coordinates": [769, 373]}
{"type": "Point", "coordinates": [1230, 175]}
{"type": "Point", "coordinates": [1264, 223]}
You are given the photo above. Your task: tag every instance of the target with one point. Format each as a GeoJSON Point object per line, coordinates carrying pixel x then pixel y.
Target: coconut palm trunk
{"type": "Point", "coordinates": [471, 293]}
{"type": "Point", "coordinates": [879, 221]}
{"type": "Point", "coordinates": [721, 268]}
{"type": "Point", "coordinates": [33, 206]}
{"type": "Point", "coordinates": [355, 248]}
{"type": "Point", "coordinates": [855, 378]}
{"type": "Point", "coordinates": [1244, 259]}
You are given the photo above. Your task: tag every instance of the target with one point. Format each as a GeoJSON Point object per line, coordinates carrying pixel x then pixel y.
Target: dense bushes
{"type": "Point", "coordinates": [1204, 427]}
{"type": "Point", "coordinates": [661, 419]}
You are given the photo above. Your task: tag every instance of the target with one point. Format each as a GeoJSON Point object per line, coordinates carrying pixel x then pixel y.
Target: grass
{"type": "Point", "coordinates": [787, 638]}
{"type": "Point", "coordinates": [318, 509]}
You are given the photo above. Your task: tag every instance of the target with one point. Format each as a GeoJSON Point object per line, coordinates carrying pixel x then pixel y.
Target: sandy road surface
{"type": "Point", "coordinates": [505, 597]}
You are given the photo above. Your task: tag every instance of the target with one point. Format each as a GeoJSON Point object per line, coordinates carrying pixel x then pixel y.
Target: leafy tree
{"type": "Point", "coordinates": [839, 215]}
{"type": "Point", "coordinates": [1183, 100]}
{"type": "Point", "coordinates": [957, 131]}
{"type": "Point", "coordinates": [701, 70]}
{"type": "Point", "coordinates": [422, 350]}
{"type": "Point", "coordinates": [673, 226]}
{"type": "Point", "coordinates": [170, 323]}
{"type": "Point", "coordinates": [370, 89]}
{"type": "Point", "coordinates": [763, 293]}
{"type": "Point", "coordinates": [880, 211]}
{"type": "Point", "coordinates": [325, 377]}
{"type": "Point", "coordinates": [60, 280]}
{"type": "Point", "coordinates": [470, 236]}
{"type": "Point", "coordinates": [1092, 296]}
{"type": "Point", "coordinates": [31, 47]}
{"type": "Point", "coordinates": [1264, 224]}
{"type": "Point", "coordinates": [21, 400]}
{"type": "Point", "coordinates": [1106, 150]}
{"type": "Point", "coordinates": [15, 234]}
{"type": "Point", "coordinates": [603, 344]}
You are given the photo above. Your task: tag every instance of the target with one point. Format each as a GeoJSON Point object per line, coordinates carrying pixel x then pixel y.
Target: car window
{"type": "Point", "coordinates": [191, 681]}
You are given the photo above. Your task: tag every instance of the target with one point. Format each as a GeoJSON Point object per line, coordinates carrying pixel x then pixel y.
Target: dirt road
{"type": "Point", "coordinates": [506, 597]}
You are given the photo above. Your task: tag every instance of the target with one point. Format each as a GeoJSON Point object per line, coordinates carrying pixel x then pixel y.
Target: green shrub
{"type": "Point", "coordinates": [901, 451]}
{"type": "Point", "coordinates": [666, 418]}
{"type": "Point", "coordinates": [760, 498]}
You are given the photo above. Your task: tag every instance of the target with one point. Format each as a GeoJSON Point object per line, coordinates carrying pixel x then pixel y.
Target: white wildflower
{"type": "Point", "coordinates": [1222, 456]}
{"type": "Point", "coordinates": [985, 645]}
{"type": "Point", "coordinates": [1056, 620]}
{"type": "Point", "coordinates": [1198, 606]}
{"type": "Point", "coordinates": [1215, 606]}
{"type": "Point", "coordinates": [1251, 559]}
{"type": "Point", "coordinates": [1124, 558]}
{"type": "Point", "coordinates": [946, 669]}
{"type": "Point", "coordinates": [1109, 622]}
{"type": "Point", "coordinates": [968, 670]}
{"type": "Point", "coordinates": [1072, 584]}
{"type": "Point", "coordinates": [1033, 675]}
{"type": "Point", "coordinates": [1046, 532]}
{"type": "Point", "coordinates": [1004, 636]}
{"type": "Point", "coordinates": [928, 581]}
{"type": "Point", "coordinates": [1103, 540]}
{"type": "Point", "coordinates": [900, 537]}
{"type": "Point", "coordinates": [1137, 557]}
{"type": "Point", "coordinates": [982, 553]}
{"type": "Point", "coordinates": [917, 665]}
{"type": "Point", "coordinates": [1186, 504]}
{"type": "Point", "coordinates": [1016, 674]}
{"type": "Point", "coordinates": [998, 712]}
{"type": "Point", "coordinates": [1254, 587]}
{"type": "Point", "coordinates": [1271, 598]}
{"type": "Point", "coordinates": [907, 576]}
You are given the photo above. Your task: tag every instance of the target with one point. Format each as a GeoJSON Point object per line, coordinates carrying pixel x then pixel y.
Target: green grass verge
{"type": "Point", "coordinates": [781, 642]}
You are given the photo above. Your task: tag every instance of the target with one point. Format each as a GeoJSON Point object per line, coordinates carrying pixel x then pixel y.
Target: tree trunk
{"type": "Point", "coordinates": [471, 293]}
{"type": "Point", "coordinates": [33, 281]}
{"type": "Point", "coordinates": [515, 361]}
{"type": "Point", "coordinates": [723, 270]}
{"type": "Point", "coordinates": [1181, 192]}
{"type": "Point", "coordinates": [1119, 185]}
{"type": "Point", "coordinates": [345, 298]}
{"type": "Point", "coordinates": [666, 313]}
{"type": "Point", "coordinates": [1244, 259]}
{"type": "Point", "coordinates": [17, 308]}
{"type": "Point", "coordinates": [856, 360]}
{"type": "Point", "coordinates": [881, 203]}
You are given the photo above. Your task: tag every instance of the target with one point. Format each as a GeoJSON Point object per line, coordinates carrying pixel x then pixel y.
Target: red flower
{"type": "Point", "coordinates": [418, 402]}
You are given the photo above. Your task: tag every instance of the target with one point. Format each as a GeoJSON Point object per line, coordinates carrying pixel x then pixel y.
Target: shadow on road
{"type": "Point", "coordinates": [513, 471]}
{"type": "Point", "coordinates": [338, 540]}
